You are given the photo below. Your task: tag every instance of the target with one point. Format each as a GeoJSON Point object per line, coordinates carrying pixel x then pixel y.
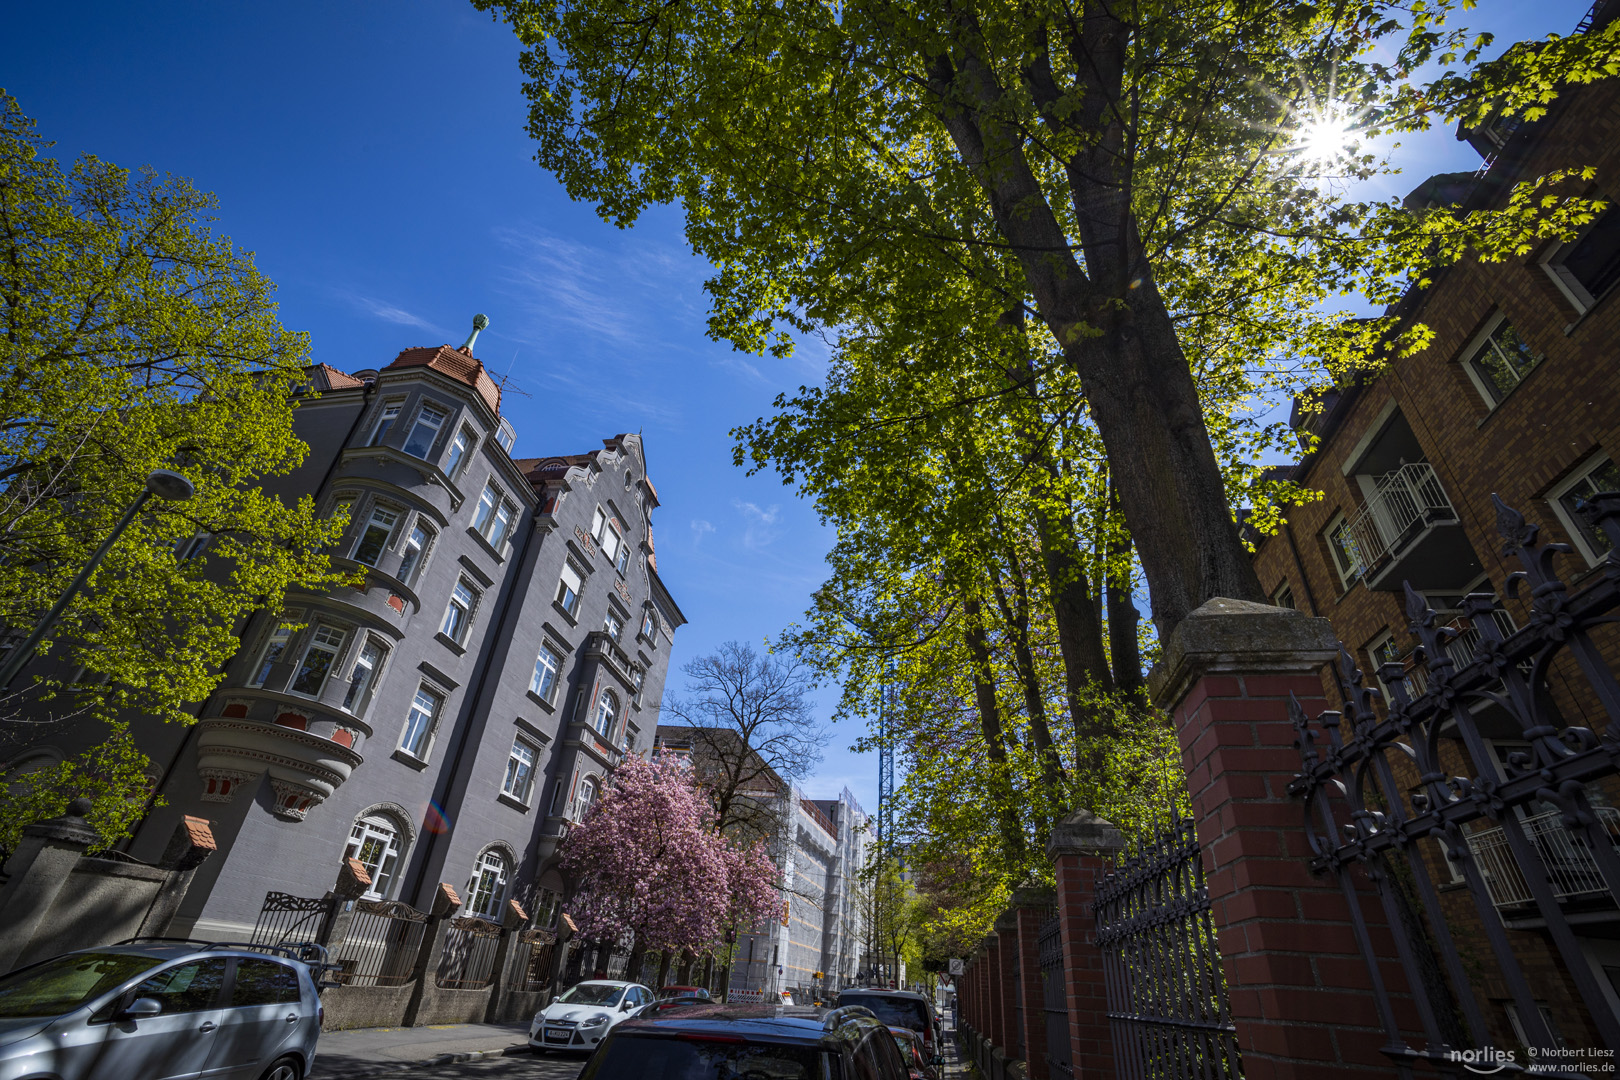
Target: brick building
{"type": "Point", "coordinates": [1516, 397]}
{"type": "Point", "coordinates": [446, 719]}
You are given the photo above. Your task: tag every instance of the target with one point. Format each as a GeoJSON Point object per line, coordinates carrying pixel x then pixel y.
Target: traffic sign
{"type": "Point", "coordinates": [956, 966]}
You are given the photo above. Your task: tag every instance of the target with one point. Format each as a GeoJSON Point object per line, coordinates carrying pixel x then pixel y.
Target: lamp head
{"type": "Point", "coordinates": [169, 485]}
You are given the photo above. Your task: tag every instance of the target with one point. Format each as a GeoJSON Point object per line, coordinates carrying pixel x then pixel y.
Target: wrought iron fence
{"type": "Point", "coordinates": [284, 918]}
{"type": "Point", "coordinates": [1055, 998]}
{"type": "Point", "coordinates": [1381, 789]}
{"type": "Point", "coordinates": [1166, 993]}
{"type": "Point", "coordinates": [381, 945]}
{"type": "Point", "coordinates": [468, 960]}
{"type": "Point", "coordinates": [531, 970]}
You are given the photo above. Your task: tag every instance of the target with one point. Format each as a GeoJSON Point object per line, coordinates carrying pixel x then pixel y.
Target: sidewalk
{"type": "Point", "coordinates": [367, 1052]}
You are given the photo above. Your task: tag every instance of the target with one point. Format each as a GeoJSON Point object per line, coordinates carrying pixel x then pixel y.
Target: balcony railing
{"type": "Point", "coordinates": [1571, 870]}
{"type": "Point", "coordinates": [1403, 504]}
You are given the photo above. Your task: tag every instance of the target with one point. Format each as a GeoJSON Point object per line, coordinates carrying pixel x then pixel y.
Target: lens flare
{"type": "Point", "coordinates": [435, 820]}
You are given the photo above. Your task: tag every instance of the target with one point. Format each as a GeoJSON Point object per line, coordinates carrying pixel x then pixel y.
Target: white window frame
{"type": "Point", "coordinates": [275, 648]}
{"type": "Point", "coordinates": [335, 648]}
{"type": "Point", "coordinates": [1553, 264]}
{"type": "Point", "coordinates": [585, 795]}
{"type": "Point", "coordinates": [543, 671]}
{"type": "Point", "coordinates": [469, 610]}
{"type": "Point", "coordinates": [190, 547]}
{"type": "Point", "coordinates": [1478, 344]}
{"type": "Point", "coordinates": [356, 700]}
{"type": "Point", "coordinates": [1349, 577]}
{"type": "Point", "coordinates": [411, 574]}
{"type": "Point", "coordinates": [424, 740]}
{"type": "Point", "coordinates": [491, 862]}
{"type": "Point", "coordinates": [434, 428]}
{"type": "Point", "coordinates": [454, 463]}
{"type": "Point", "coordinates": [570, 569]}
{"type": "Point", "coordinates": [517, 783]}
{"type": "Point", "coordinates": [613, 626]}
{"type": "Point", "coordinates": [495, 516]}
{"type": "Point", "coordinates": [613, 718]}
{"type": "Point", "coordinates": [389, 834]}
{"type": "Point", "coordinates": [1555, 498]}
{"type": "Point", "coordinates": [1284, 591]}
{"type": "Point", "coordinates": [391, 530]}
{"type": "Point", "coordinates": [385, 421]}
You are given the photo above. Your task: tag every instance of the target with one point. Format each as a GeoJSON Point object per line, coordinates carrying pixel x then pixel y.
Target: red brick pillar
{"type": "Point", "coordinates": [1031, 906]}
{"type": "Point", "coordinates": [992, 992]}
{"type": "Point", "coordinates": [1082, 847]}
{"type": "Point", "coordinates": [1294, 975]}
{"type": "Point", "coordinates": [1007, 946]}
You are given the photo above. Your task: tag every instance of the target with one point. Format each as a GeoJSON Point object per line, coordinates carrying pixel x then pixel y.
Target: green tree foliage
{"type": "Point", "coordinates": [1118, 171]}
{"type": "Point", "coordinates": [1064, 253]}
{"type": "Point", "coordinates": [132, 338]}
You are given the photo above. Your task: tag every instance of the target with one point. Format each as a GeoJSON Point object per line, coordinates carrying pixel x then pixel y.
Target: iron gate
{"type": "Point", "coordinates": [1166, 993]}
{"type": "Point", "coordinates": [284, 917]}
{"type": "Point", "coordinates": [1055, 995]}
{"type": "Point", "coordinates": [1429, 788]}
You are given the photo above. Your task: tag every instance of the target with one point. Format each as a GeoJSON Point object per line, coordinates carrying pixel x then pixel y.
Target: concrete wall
{"type": "Point", "coordinates": [103, 901]}
{"type": "Point", "coordinates": [365, 1006]}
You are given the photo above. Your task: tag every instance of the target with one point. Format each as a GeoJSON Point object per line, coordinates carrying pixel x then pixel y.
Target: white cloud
{"type": "Point", "coordinates": [700, 529]}
{"type": "Point", "coordinates": [381, 309]}
{"type": "Point", "coordinates": [759, 528]}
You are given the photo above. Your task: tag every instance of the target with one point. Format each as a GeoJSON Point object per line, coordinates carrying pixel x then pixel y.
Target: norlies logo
{"type": "Point", "coordinates": [1484, 1062]}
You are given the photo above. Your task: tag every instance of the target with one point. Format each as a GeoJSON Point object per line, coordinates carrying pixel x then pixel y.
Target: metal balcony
{"type": "Point", "coordinates": [1571, 870]}
{"type": "Point", "coordinates": [1410, 531]}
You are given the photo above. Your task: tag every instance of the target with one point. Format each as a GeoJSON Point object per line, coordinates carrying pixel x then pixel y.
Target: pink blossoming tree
{"type": "Point", "coordinates": [646, 864]}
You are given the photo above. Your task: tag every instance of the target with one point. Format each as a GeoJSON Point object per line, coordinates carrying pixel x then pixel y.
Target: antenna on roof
{"type": "Point", "coordinates": [479, 322]}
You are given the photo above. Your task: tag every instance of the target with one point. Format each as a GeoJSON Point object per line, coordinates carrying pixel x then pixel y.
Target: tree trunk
{"type": "Point", "coordinates": [663, 969]}
{"type": "Point", "coordinates": [683, 975]}
{"type": "Point", "coordinates": [984, 696]}
{"type": "Point", "coordinates": [638, 953]}
{"type": "Point", "coordinates": [1017, 619]}
{"type": "Point", "coordinates": [1122, 622]}
{"type": "Point", "coordinates": [1108, 317]}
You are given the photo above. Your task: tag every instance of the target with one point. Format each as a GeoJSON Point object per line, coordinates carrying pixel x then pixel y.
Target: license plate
{"type": "Point", "coordinates": [557, 1034]}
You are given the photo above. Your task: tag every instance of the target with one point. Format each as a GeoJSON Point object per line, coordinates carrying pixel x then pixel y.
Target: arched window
{"type": "Point", "coordinates": [486, 889]}
{"type": "Point", "coordinates": [607, 712]}
{"type": "Point", "coordinates": [584, 797]}
{"type": "Point", "coordinates": [375, 841]}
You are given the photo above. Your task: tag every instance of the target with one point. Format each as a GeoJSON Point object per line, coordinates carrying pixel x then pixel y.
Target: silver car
{"type": "Point", "coordinates": [161, 1010]}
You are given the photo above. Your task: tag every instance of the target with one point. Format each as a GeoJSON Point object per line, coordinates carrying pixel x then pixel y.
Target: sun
{"type": "Point", "coordinates": [1324, 134]}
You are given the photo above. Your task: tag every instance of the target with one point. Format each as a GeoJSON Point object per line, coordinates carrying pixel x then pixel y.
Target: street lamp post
{"type": "Point", "coordinates": [167, 485]}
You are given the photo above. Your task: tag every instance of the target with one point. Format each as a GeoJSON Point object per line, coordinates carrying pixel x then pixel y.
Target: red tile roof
{"type": "Point", "coordinates": [335, 379]}
{"type": "Point", "coordinates": [463, 367]}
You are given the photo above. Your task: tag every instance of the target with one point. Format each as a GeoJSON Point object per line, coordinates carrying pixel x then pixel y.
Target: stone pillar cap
{"type": "Point", "coordinates": [1033, 896]}
{"type": "Point", "coordinates": [1080, 832]}
{"type": "Point", "coordinates": [1007, 921]}
{"type": "Point", "coordinates": [71, 827]}
{"type": "Point", "coordinates": [1241, 637]}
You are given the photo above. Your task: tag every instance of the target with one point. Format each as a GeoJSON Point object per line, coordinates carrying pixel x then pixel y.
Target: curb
{"type": "Point", "coordinates": [400, 1068]}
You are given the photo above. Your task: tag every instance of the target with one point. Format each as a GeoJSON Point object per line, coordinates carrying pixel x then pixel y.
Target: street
{"type": "Point", "coordinates": [411, 1053]}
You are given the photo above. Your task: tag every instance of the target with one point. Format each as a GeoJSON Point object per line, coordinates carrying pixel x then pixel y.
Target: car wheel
{"type": "Point", "coordinates": [284, 1068]}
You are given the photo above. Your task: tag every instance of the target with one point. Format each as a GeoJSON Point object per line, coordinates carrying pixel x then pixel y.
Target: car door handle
{"type": "Point", "coordinates": [292, 1018]}
{"type": "Point", "coordinates": [207, 1026]}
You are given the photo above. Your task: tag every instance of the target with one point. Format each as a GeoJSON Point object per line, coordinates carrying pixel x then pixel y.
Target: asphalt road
{"type": "Point", "coordinates": [519, 1063]}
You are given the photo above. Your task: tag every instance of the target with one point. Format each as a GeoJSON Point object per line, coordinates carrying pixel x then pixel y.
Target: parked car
{"type": "Point", "coordinates": [719, 1042]}
{"type": "Point", "coordinates": [683, 991]}
{"type": "Point", "coordinates": [163, 1009]}
{"type": "Point", "coordinates": [918, 1063]}
{"type": "Point", "coordinates": [582, 1015]}
{"type": "Point", "coordinates": [900, 1008]}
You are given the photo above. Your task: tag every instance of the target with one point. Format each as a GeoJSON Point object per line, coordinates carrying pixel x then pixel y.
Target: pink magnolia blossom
{"type": "Point", "coordinates": [648, 866]}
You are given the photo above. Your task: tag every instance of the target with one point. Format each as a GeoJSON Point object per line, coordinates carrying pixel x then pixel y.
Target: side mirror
{"type": "Point", "coordinates": [140, 1007]}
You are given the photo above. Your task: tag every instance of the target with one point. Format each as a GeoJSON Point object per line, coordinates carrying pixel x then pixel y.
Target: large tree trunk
{"type": "Point", "coordinates": [984, 696]}
{"type": "Point", "coordinates": [1016, 617]}
{"type": "Point", "coordinates": [1122, 622]}
{"type": "Point", "coordinates": [1108, 317]}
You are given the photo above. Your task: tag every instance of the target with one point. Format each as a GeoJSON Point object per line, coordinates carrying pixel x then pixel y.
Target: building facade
{"type": "Point", "coordinates": [1515, 397]}
{"type": "Point", "coordinates": [447, 718]}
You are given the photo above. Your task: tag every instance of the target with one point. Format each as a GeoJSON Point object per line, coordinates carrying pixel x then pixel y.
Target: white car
{"type": "Point", "coordinates": [583, 1015]}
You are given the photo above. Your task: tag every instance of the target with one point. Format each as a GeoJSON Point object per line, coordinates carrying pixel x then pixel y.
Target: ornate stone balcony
{"type": "Point", "coordinates": [304, 766]}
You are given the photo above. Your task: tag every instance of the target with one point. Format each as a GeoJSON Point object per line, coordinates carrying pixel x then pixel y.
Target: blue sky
{"type": "Point", "coordinates": [373, 156]}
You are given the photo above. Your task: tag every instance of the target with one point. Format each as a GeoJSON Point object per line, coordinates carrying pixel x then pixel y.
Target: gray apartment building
{"type": "Point", "coordinates": [450, 717]}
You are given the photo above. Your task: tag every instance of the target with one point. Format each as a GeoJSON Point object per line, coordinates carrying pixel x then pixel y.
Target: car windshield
{"type": "Point", "coordinates": [62, 985]}
{"type": "Point", "coordinates": [893, 1011]}
{"type": "Point", "coordinates": [659, 1057]}
{"type": "Point", "coordinates": [592, 994]}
